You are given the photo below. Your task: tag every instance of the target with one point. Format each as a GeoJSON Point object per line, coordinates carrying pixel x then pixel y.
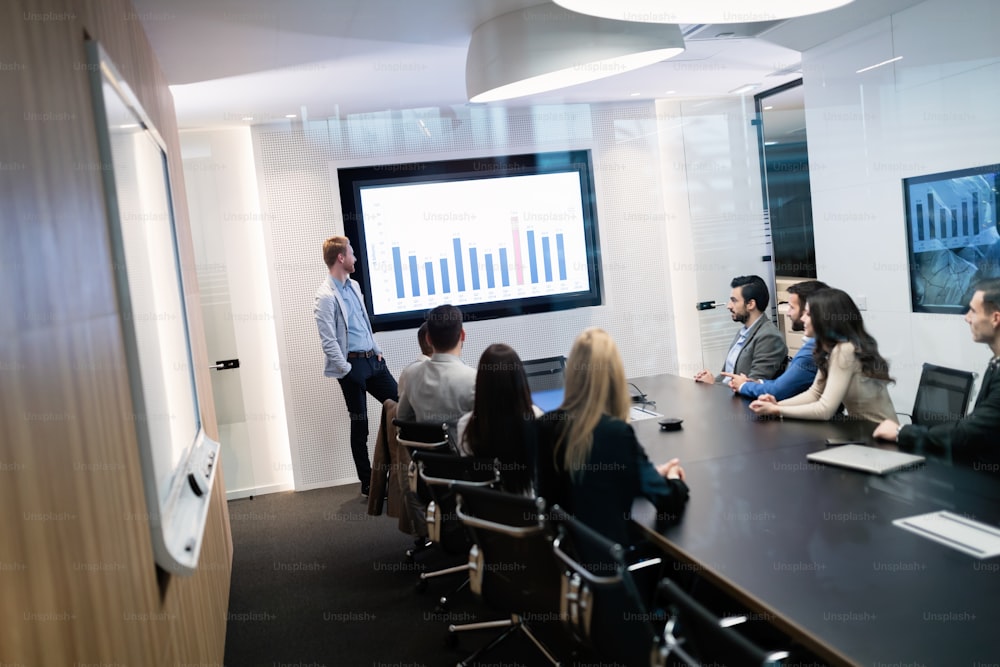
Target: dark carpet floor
{"type": "Point", "coordinates": [318, 582]}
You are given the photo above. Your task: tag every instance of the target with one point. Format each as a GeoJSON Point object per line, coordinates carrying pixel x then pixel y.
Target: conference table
{"type": "Point", "coordinates": [812, 548]}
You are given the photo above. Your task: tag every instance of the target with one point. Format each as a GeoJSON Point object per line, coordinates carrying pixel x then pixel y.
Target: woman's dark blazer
{"type": "Point", "coordinates": [617, 472]}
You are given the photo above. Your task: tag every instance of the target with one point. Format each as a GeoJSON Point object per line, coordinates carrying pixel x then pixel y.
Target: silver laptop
{"type": "Point", "coordinates": [867, 459]}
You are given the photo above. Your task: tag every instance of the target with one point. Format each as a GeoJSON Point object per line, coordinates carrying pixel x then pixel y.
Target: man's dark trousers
{"type": "Point", "coordinates": [372, 376]}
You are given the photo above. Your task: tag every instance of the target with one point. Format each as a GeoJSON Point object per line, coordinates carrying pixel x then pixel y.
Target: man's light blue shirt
{"type": "Point", "coordinates": [359, 337]}
{"type": "Point", "coordinates": [734, 351]}
{"type": "Point", "coordinates": [796, 379]}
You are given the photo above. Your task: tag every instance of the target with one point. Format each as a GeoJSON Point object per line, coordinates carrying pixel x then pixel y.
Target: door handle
{"type": "Point", "coordinates": [226, 364]}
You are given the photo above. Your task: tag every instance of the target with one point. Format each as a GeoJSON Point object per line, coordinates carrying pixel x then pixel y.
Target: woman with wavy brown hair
{"type": "Point", "coordinates": [850, 369]}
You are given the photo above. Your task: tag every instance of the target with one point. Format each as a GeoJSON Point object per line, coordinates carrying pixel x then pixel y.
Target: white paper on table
{"type": "Point", "coordinates": [637, 413]}
{"type": "Point", "coordinates": [968, 536]}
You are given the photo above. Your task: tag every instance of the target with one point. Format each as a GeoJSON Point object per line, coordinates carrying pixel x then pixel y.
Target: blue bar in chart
{"type": "Point", "coordinates": [474, 265]}
{"type": "Point", "coordinates": [547, 259]}
{"type": "Point", "coordinates": [490, 282]}
{"type": "Point", "coordinates": [532, 262]}
{"type": "Point", "coordinates": [459, 267]}
{"type": "Point", "coordinates": [397, 267]}
{"type": "Point", "coordinates": [504, 275]}
{"type": "Point", "coordinates": [413, 276]}
{"type": "Point", "coordinates": [561, 255]}
{"type": "Point", "coordinates": [445, 285]}
{"type": "Point", "coordinates": [429, 266]}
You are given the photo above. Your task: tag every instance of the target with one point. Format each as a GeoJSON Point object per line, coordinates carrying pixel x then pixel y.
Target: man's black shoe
{"type": "Point", "coordinates": [365, 489]}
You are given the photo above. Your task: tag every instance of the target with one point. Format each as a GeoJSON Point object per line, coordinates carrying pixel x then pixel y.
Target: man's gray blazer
{"type": "Point", "coordinates": [331, 319]}
{"type": "Point", "coordinates": [764, 353]}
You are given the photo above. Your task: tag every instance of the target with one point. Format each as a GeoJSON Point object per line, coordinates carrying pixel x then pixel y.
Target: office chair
{"type": "Point", "coordinates": [693, 635]}
{"type": "Point", "coordinates": [600, 601]}
{"type": "Point", "coordinates": [547, 373]}
{"type": "Point", "coordinates": [416, 436]}
{"type": "Point", "coordinates": [942, 395]}
{"type": "Point", "coordinates": [443, 474]}
{"type": "Point", "coordinates": [512, 568]}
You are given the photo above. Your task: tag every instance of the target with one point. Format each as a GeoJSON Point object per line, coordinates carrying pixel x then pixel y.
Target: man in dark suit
{"type": "Point", "coordinates": [758, 350]}
{"type": "Point", "coordinates": [974, 436]}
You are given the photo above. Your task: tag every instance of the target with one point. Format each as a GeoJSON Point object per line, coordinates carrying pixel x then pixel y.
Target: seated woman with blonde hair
{"type": "Point", "coordinates": [850, 369]}
{"type": "Point", "coordinates": [589, 460]}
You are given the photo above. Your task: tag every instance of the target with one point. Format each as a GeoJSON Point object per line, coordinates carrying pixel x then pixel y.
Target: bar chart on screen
{"type": "Point", "coordinates": [475, 241]}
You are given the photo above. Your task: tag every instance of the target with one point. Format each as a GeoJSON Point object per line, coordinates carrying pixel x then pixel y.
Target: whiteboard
{"type": "Point", "coordinates": [178, 460]}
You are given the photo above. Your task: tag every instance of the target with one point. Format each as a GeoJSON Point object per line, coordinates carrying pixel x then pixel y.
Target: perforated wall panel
{"type": "Point", "coordinates": [302, 208]}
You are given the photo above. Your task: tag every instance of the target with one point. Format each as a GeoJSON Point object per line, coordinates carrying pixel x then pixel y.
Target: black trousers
{"type": "Point", "coordinates": [368, 375]}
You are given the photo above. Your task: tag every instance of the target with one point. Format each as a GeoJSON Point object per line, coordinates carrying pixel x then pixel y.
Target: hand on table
{"type": "Point", "coordinates": [766, 405]}
{"type": "Point", "coordinates": [737, 380]}
{"type": "Point", "coordinates": [704, 376]}
{"type": "Point", "coordinates": [887, 430]}
{"type": "Point", "coordinates": [671, 469]}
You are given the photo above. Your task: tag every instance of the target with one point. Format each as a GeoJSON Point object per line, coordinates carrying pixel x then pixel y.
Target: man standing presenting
{"type": "Point", "coordinates": [758, 351]}
{"type": "Point", "coordinates": [801, 371]}
{"type": "Point", "coordinates": [352, 355]}
{"type": "Point", "coordinates": [976, 435]}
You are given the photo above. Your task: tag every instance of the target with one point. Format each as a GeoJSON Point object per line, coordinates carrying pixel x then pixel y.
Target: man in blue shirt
{"type": "Point", "coordinates": [352, 355]}
{"type": "Point", "coordinates": [801, 371]}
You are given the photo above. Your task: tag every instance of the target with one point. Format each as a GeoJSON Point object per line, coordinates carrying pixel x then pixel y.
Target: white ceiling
{"type": "Point", "coordinates": [229, 60]}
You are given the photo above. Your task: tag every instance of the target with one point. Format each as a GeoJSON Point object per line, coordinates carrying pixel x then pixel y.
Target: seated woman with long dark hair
{"type": "Point", "coordinates": [501, 424]}
{"type": "Point", "coordinates": [850, 369]}
{"type": "Point", "coordinates": [589, 460]}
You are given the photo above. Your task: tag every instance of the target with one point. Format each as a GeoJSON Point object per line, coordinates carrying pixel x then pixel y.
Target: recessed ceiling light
{"type": "Point", "coordinates": [745, 88]}
{"type": "Point", "coordinates": [768, 108]}
{"type": "Point", "coordinates": [770, 143]}
{"type": "Point", "coordinates": [670, 92]}
{"type": "Point", "coordinates": [884, 62]}
{"type": "Point", "coordinates": [247, 117]}
{"type": "Point", "coordinates": [635, 94]}
{"type": "Point", "coordinates": [290, 115]}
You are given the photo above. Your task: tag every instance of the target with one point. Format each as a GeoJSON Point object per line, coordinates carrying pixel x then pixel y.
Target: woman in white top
{"type": "Point", "coordinates": [501, 423]}
{"type": "Point", "coordinates": [851, 370]}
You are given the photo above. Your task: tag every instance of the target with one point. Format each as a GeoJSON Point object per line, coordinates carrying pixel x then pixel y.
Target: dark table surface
{"type": "Point", "coordinates": [812, 546]}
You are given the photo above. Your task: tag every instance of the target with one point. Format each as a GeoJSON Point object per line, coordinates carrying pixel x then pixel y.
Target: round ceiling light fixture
{"type": "Point", "coordinates": [546, 47]}
{"type": "Point", "coordinates": [700, 11]}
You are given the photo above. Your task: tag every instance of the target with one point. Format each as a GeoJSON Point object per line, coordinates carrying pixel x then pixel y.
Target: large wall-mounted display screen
{"type": "Point", "coordinates": [952, 235]}
{"type": "Point", "coordinates": [495, 236]}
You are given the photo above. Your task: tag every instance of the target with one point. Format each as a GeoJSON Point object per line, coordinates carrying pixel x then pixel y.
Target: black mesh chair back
{"type": "Point", "coordinates": [516, 571]}
{"type": "Point", "coordinates": [599, 599]}
{"type": "Point", "coordinates": [545, 374]}
{"type": "Point", "coordinates": [512, 567]}
{"type": "Point", "coordinates": [415, 435]}
{"type": "Point", "coordinates": [443, 475]}
{"type": "Point", "coordinates": [693, 635]}
{"type": "Point", "coordinates": [942, 395]}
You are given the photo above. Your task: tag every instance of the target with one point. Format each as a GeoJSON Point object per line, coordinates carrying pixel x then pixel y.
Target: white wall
{"type": "Point", "coordinates": [935, 110]}
{"type": "Point", "coordinates": [302, 208]}
{"type": "Point", "coordinates": [716, 228]}
{"type": "Point", "coordinates": [227, 230]}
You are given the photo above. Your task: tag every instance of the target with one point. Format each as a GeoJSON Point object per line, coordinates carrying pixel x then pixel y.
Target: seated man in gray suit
{"type": "Point", "coordinates": [759, 350]}
{"type": "Point", "coordinates": [442, 388]}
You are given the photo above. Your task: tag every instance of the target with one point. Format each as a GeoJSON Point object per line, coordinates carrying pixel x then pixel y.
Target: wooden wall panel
{"type": "Point", "coordinates": [77, 575]}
